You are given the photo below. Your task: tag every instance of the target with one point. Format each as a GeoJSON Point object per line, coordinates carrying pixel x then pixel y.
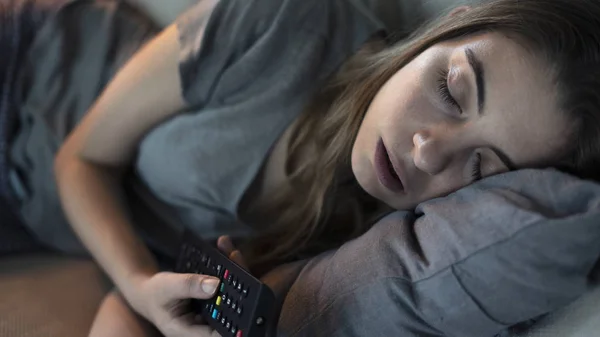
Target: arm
{"type": "Point", "coordinates": [90, 164]}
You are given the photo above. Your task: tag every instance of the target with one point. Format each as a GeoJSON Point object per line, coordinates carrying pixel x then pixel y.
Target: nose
{"type": "Point", "coordinates": [434, 149]}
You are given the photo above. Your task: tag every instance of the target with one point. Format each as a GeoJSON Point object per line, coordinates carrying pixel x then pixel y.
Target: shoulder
{"type": "Point", "coordinates": [245, 41]}
{"type": "Point", "coordinates": [258, 17]}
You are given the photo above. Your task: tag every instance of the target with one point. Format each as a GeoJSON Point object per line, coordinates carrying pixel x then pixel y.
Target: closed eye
{"type": "Point", "coordinates": [476, 169]}
{"type": "Point", "coordinates": [444, 91]}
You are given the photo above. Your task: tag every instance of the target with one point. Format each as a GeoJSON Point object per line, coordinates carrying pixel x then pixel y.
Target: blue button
{"type": "Point", "coordinates": [215, 313]}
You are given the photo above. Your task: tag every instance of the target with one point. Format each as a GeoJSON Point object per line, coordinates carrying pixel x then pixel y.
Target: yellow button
{"type": "Point", "coordinates": [219, 300]}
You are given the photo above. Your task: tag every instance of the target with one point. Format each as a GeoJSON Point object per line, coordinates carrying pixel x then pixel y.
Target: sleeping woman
{"type": "Point", "coordinates": [292, 126]}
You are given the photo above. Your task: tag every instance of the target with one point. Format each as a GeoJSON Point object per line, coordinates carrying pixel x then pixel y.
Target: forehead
{"type": "Point", "coordinates": [521, 114]}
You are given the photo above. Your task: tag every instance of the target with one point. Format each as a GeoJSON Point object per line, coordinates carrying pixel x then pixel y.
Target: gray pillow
{"type": "Point", "coordinates": [494, 254]}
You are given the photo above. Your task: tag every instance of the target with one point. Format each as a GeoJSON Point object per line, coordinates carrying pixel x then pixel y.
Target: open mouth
{"type": "Point", "coordinates": [385, 171]}
{"type": "Point", "coordinates": [391, 168]}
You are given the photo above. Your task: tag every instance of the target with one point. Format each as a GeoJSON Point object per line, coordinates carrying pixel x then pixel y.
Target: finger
{"type": "Point", "coordinates": [177, 286]}
{"type": "Point", "coordinates": [237, 257]}
{"type": "Point", "coordinates": [225, 245]}
{"type": "Point", "coordinates": [199, 320]}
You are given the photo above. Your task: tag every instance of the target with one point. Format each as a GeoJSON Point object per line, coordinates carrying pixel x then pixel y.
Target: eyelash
{"type": "Point", "coordinates": [444, 91]}
{"type": "Point", "coordinates": [476, 171]}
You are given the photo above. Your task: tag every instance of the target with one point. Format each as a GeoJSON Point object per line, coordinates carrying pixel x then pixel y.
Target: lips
{"type": "Point", "coordinates": [384, 169]}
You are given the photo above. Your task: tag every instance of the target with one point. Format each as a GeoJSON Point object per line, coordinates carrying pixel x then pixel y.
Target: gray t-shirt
{"type": "Point", "coordinates": [252, 74]}
{"type": "Point", "coordinates": [257, 67]}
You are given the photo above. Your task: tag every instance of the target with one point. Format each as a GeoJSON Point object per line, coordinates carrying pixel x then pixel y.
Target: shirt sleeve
{"type": "Point", "coordinates": [245, 41]}
{"type": "Point", "coordinates": [236, 31]}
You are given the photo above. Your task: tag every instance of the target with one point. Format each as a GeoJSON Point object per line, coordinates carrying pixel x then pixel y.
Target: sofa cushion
{"type": "Point", "coordinates": [580, 319]}
{"type": "Point", "coordinates": [49, 296]}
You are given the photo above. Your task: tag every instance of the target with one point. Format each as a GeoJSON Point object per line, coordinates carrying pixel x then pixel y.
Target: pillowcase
{"type": "Point", "coordinates": [496, 253]}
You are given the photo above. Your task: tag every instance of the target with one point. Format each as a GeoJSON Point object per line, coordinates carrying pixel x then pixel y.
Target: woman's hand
{"type": "Point", "coordinates": [226, 246]}
{"type": "Point", "coordinates": [164, 299]}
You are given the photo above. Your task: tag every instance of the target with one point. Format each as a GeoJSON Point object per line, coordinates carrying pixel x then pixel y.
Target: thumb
{"type": "Point", "coordinates": [189, 286]}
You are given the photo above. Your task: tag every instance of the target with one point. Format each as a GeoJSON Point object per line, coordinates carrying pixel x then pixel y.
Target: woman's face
{"type": "Point", "coordinates": [462, 110]}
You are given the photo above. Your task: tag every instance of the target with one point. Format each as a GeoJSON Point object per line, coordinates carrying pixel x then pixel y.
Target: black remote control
{"type": "Point", "coordinates": [243, 306]}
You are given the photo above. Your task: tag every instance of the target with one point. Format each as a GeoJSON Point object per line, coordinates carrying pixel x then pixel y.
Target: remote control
{"type": "Point", "coordinates": [243, 306]}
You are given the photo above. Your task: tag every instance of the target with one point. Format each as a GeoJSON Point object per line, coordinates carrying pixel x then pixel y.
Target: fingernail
{"type": "Point", "coordinates": [209, 285]}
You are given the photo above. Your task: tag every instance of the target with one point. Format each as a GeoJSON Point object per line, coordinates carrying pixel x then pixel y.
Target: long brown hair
{"type": "Point", "coordinates": [321, 205]}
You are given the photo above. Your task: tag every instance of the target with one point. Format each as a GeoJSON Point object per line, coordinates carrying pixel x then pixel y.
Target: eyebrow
{"type": "Point", "coordinates": [477, 67]}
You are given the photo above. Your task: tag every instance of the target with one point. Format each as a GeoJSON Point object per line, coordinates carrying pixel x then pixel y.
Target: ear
{"type": "Point", "coordinates": [459, 10]}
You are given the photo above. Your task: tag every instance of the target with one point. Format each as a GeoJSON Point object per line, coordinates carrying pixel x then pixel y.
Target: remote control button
{"type": "Point", "coordinates": [219, 315]}
{"type": "Point", "coordinates": [223, 320]}
{"type": "Point", "coordinates": [226, 275]}
{"type": "Point", "coordinates": [230, 278]}
{"type": "Point", "coordinates": [215, 313]}
{"type": "Point", "coordinates": [222, 287]}
{"type": "Point", "coordinates": [219, 300]}
{"type": "Point", "coordinates": [234, 305]}
{"type": "Point", "coordinates": [246, 291]}
{"type": "Point", "coordinates": [210, 309]}
{"type": "Point", "coordinates": [204, 259]}
{"type": "Point", "coordinates": [233, 330]}
{"type": "Point", "coordinates": [239, 287]}
{"type": "Point", "coordinates": [239, 333]}
{"type": "Point", "coordinates": [208, 262]}
{"type": "Point", "coordinates": [229, 302]}
{"type": "Point", "coordinates": [224, 297]}
{"type": "Point", "coordinates": [234, 283]}
{"type": "Point", "coordinates": [228, 325]}
{"type": "Point", "coordinates": [239, 310]}
{"type": "Point", "coordinates": [219, 269]}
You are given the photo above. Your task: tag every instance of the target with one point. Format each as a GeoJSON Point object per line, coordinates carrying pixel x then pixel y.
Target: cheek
{"type": "Point", "coordinates": [408, 111]}
{"type": "Point", "coordinates": [400, 108]}
{"type": "Point", "coordinates": [442, 185]}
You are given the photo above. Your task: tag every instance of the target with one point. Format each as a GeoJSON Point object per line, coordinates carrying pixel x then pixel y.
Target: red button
{"type": "Point", "coordinates": [239, 334]}
{"type": "Point", "coordinates": [226, 274]}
